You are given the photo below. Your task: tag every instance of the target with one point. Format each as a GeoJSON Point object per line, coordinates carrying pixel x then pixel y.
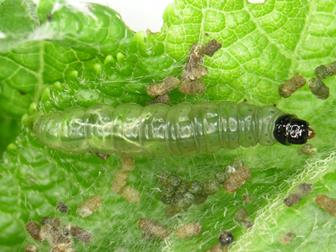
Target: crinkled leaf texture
{"type": "Point", "coordinates": [54, 58]}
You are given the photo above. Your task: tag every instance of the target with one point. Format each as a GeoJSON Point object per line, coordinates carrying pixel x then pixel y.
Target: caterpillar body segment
{"type": "Point", "coordinates": [162, 129]}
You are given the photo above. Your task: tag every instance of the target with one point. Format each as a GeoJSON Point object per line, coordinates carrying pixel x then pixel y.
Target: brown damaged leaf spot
{"type": "Point", "coordinates": [62, 248]}
{"type": "Point", "coordinates": [194, 70]}
{"type": "Point", "coordinates": [34, 229]}
{"type": "Point", "coordinates": [192, 87]}
{"type": "Point", "coordinates": [287, 238]}
{"type": "Point", "coordinates": [58, 236]}
{"type": "Point", "coordinates": [62, 207]}
{"type": "Point", "coordinates": [292, 199]}
{"type": "Point", "coordinates": [53, 232]}
{"type": "Point", "coordinates": [163, 88]}
{"type": "Point", "coordinates": [308, 149]}
{"type": "Point", "coordinates": [291, 85]}
{"type": "Point", "coordinates": [246, 198]}
{"type": "Point", "coordinates": [218, 248]}
{"type": "Point", "coordinates": [89, 206]}
{"type": "Point", "coordinates": [326, 203]}
{"type": "Point", "coordinates": [188, 230]}
{"type": "Point", "coordinates": [80, 234]}
{"type": "Point", "coordinates": [152, 229]}
{"type": "Point", "coordinates": [241, 217]}
{"type": "Point", "coordinates": [119, 183]}
{"type": "Point", "coordinates": [211, 47]}
{"type": "Point", "coordinates": [211, 187]}
{"type": "Point", "coordinates": [316, 84]}
{"type": "Point", "coordinates": [318, 88]}
{"type": "Point", "coordinates": [300, 191]}
{"type": "Point", "coordinates": [127, 163]}
{"type": "Point", "coordinates": [180, 194]}
{"type": "Point", "coordinates": [162, 99]}
{"type": "Point", "coordinates": [237, 178]}
{"type": "Point", "coordinates": [192, 73]}
{"type": "Point", "coordinates": [131, 194]}
{"type": "Point", "coordinates": [304, 188]}
{"type": "Point", "coordinates": [30, 248]}
{"type": "Point", "coordinates": [324, 71]}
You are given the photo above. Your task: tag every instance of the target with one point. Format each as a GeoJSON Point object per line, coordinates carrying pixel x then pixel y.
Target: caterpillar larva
{"type": "Point", "coordinates": [162, 129]}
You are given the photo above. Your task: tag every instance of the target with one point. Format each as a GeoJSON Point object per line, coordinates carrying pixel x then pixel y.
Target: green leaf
{"type": "Point", "coordinates": [84, 59]}
{"type": "Point", "coordinates": [62, 46]}
{"type": "Point", "coordinates": [8, 130]}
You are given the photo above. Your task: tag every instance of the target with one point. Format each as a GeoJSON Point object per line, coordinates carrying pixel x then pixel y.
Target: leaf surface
{"type": "Point", "coordinates": [55, 58]}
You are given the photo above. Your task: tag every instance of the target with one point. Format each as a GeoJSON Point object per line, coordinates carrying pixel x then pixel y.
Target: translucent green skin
{"type": "Point", "coordinates": [158, 128]}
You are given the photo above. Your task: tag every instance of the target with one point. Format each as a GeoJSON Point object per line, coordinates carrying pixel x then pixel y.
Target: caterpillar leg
{"type": "Point", "coordinates": [119, 183]}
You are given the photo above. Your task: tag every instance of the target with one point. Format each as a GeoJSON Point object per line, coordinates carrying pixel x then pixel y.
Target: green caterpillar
{"type": "Point", "coordinates": [162, 129]}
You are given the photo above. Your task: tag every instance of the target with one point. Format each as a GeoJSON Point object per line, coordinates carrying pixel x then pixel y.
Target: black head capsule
{"type": "Point", "coordinates": [291, 130]}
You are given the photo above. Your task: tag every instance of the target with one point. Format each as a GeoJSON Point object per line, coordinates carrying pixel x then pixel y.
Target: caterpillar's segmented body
{"type": "Point", "coordinates": [158, 128]}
